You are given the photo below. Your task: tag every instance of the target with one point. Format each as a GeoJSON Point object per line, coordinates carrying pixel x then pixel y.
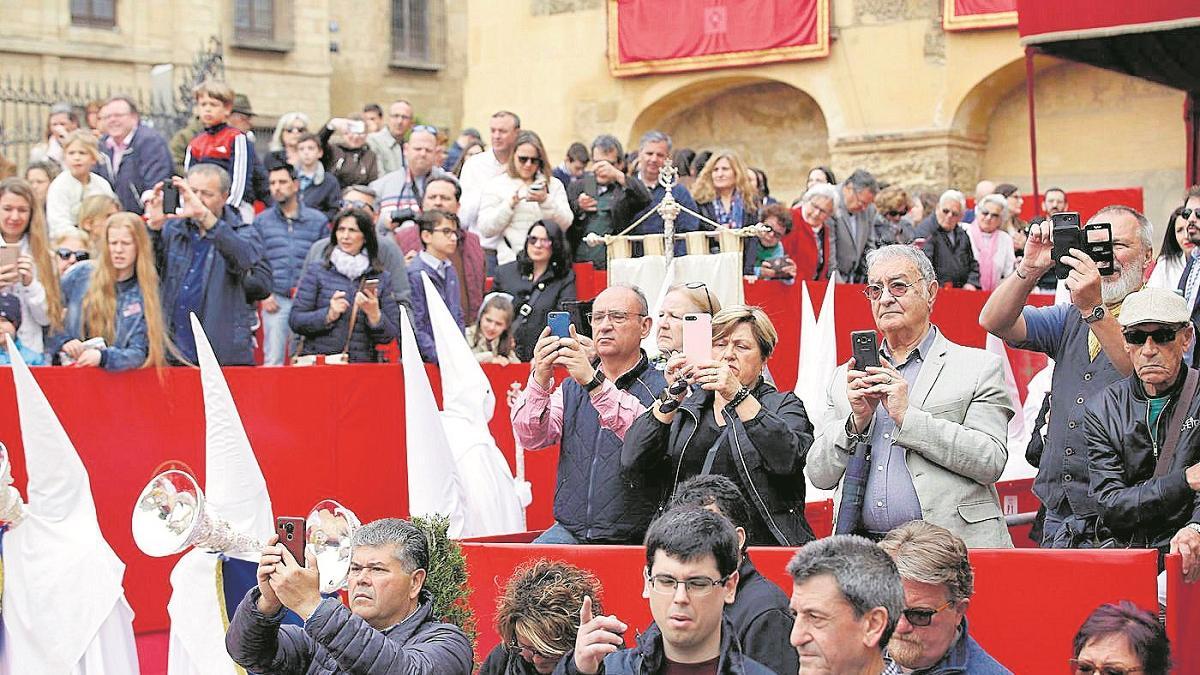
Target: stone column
{"type": "Point", "coordinates": [919, 161]}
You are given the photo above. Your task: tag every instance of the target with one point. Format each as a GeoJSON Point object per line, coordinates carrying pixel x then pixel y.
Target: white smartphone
{"type": "Point", "coordinates": [356, 127]}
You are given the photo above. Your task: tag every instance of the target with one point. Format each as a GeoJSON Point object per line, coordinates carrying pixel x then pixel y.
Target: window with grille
{"type": "Point", "coordinates": [416, 32]}
{"type": "Point", "coordinates": [254, 20]}
{"type": "Point", "coordinates": [94, 13]}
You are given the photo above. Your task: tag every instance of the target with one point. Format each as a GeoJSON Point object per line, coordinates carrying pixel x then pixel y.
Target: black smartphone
{"type": "Point", "coordinates": [170, 200]}
{"type": "Point", "coordinates": [1099, 247]}
{"type": "Point", "coordinates": [590, 188]}
{"type": "Point", "coordinates": [1065, 235]}
{"type": "Point", "coordinates": [865, 348]}
{"type": "Point", "coordinates": [291, 533]}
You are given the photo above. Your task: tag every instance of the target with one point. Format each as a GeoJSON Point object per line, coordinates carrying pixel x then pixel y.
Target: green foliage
{"type": "Point", "coordinates": [447, 575]}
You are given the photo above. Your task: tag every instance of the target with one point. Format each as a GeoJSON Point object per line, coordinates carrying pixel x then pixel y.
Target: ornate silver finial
{"type": "Point", "coordinates": [668, 174]}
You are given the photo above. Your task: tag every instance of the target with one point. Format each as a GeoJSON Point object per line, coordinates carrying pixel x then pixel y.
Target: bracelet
{"type": "Point", "coordinates": [741, 395]}
{"type": "Point", "coordinates": [668, 406]}
{"type": "Point", "coordinates": [1017, 271]}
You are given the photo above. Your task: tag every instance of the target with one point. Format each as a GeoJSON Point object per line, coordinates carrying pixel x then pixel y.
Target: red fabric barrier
{"type": "Point", "coordinates": [1026, 609]}
{"type": "Point", "coordinates": [1183, 619]}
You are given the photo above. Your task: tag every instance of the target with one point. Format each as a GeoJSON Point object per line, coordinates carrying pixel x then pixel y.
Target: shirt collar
{"type": "Point", "coordinates": [429, 259]}
{"type": "Point", "coordinates": [920, 352]}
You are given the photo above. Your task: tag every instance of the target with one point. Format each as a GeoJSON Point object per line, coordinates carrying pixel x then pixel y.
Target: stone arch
{"type": "Point", "coordinates": [771, 124]}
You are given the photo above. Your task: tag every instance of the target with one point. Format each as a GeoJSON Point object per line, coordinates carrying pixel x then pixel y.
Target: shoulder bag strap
{"type": "Point", "coordinates": [353, 318]}
{"type": "Point", "coordinates": [1182, 405]}
{"type": "Point", "coordinates": [526, 307]}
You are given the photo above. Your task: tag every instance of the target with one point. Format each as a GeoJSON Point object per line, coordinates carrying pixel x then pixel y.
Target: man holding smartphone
{"type": "Point", "coordinates": [604, 201]}
{"type": "Point", "coordinates": [1085, 340]}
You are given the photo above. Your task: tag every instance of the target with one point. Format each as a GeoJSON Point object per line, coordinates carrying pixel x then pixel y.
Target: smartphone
{"type": "Point", "coordinates": [170, 199]}
{"type": "Point", "coordinates": [865, 348]}
{"type": "Point", "coordinates": [590, 187]}
{"type": "Point", "coordinates": [371, 285]}
{"type": "Point", "coordinates": [1099, 247]}
{"type": "Point", "coordinates": [697, 338]}
{"type": "Point", "coordinates": [291, 535]}
{"type": "Point", "coordinates": [560, 324]}
{"type": "Point", "coordinates": [356, 127]}
{"type": "Point", "coordinates": [1065, 235]}
{"type": "Point", "coordinates": [9, 255]}
{"type": "Point", "coordinates": [538, 185]}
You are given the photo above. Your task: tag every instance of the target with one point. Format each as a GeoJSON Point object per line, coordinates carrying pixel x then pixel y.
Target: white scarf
{"type": "Point", "coordinates": [350, 266]}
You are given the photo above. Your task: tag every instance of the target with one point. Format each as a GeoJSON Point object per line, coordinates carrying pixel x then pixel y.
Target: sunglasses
{"type": "Point", "coordinates": [923, 617]}
{"type": "Point", "coordinates": [542, 242]}
{"type": "Point", "coordinates": [426, 128]}
{"type": "Point", "coordinates": [896, 289]}
{"type": "Point", "coordinates": [707, 296]}
{"type": "Point", "coordinates": [896, 214]}
{"type": "Point", "coordinates": [67, 254]}
{"type": "Point", "coordinates": [528, 160]}
{"type": "Point", "coordinates": [1088, 668]}
{"type": "Point", "coordinates": [297, 130]}
{"type": "Point", "coordinates": [989, 214]}
{"type": "Point", "coordinates": [1187, 213]}
{"type": "Point", "coordinates": [1161, 336]}
{"type": "Point", "coordinates": [948, 212]}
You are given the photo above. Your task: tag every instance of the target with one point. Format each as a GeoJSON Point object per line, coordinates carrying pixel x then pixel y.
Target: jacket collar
{"type": "Point", "coordinates": [409, 626]}
{"type": "Point", "coordinates": [632, 374]}
{"type": "Point", "coordinates": [650, 646]}
{"type": "Point", "coordinates": [957, 658]}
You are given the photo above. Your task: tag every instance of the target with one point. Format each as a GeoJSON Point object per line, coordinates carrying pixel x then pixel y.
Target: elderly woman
{"type": "Point", "coordinates": [289, 129]}
{"type": "Point", "coordinates": [735, 424]}
{"type": "Point", "coordinates": [991, 245]}
{"type": "Point", "coordinates": [681, 300]}
{"type": "Point", "coordinates": [1121, 638]}
{"type": "Point", "coordinates": [537, 616]}
{"type": "Point", "coordinates": [816, 257]}
{"type": "Point", "coordinates": [893, 226]}
{"type": "Point", "coordinates": [337, 309]}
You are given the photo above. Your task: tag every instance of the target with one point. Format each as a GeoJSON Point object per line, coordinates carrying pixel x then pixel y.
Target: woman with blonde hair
{"type": "Point", "coordinates": [289, 129]}
{"type": "Point", "coordinates": [67, 191]}
{"type": "Point", "coordinates": [537, 616]}
{"type": "Point", "coordinates": [34, 277]}
{"type": "Point", "coordinates": [726, 191]}
{"type": "Point", "coordinates": [115, 299]}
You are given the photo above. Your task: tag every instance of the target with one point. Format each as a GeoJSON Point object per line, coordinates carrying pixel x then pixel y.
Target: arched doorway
{"type": "Point", "coordinates": [771, 125]}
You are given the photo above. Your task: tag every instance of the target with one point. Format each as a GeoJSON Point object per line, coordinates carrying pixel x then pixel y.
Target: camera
{"type": "Point", "coordinates": [403, 216]}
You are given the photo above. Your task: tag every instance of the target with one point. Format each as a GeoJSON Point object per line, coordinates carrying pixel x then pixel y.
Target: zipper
{"type": "Point", "coordinates": [679, 464]}
{"type": "Point", "coordinates": [1153, 436]}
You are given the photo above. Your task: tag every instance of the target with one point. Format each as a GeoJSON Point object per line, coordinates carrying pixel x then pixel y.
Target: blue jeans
{"type": "Point", "coordinates": [276, 333]}
{"type": "Point", "coordinates": [557, 534]}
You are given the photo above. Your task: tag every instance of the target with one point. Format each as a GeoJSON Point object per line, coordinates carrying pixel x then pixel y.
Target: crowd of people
{"type": "Point", "coordinates": [111, 243]}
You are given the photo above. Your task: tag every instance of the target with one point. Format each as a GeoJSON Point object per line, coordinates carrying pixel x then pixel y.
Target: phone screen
{"type": "Point", "coordinates": [170, 200]}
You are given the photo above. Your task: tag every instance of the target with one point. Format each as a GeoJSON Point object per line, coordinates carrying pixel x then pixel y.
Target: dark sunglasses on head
{"type": "Point", "coordinates": [920, 616]}
{"type": "Point", "coordinates": [1088, 668]}
{"type": "Point", "coordinates": [426, 128]}
{"type": "Point", "coordinates": [1161, 336]}
{"type": "Point", "coordinates": [67, 254]}
{"type": "Point", "coordinates": [1187, 213]}
{"type": "Point", "coordinates": [707, 295]}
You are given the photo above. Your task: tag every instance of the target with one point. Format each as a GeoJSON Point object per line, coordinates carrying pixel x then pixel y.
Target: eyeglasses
{"type": "Point", "coordinates": [896, 289]}
{"type": "Point", "coordinates": [618, 317]}
{"type": "Point", "coordinates": [448, 231]}
{"type": "Point", "coordinates": [1161, 336]}
{"type": "Point", "coordinates": [1187, 213]}
{"type": "Point", "coordinates": [67, 254]}
{"type": "Point", "coordinates": [1088, 668]}
{"type": "Point", "coordinates": [355, 203]}
{"type": "Point", "coordinates": [707, 296]}
{"type": "Point", "coordinates": [297, 130]}
{"type": "Point", "coordinates": [515, 649]}
{"type": "Point", "coordinates": [949, 212]}
{"type": "Point", "coordinates": [919, 616]}
{"type": "Point", "coordinates": [696, 587]}
{"type": "Point", "coordinates": [528, 160]}
{"type": "Point", "coordinates": [989, 214]}
{"type": "Point", "coordinates": [896, 214]}
{"type": "Point", "coordinates": [544, 242]}
{"type": "Point", "coordinates": [426, 128]}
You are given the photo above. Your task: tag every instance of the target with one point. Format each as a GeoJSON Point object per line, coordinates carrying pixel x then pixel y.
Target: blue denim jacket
{"type": "Point", "coordinates": [130, 345]}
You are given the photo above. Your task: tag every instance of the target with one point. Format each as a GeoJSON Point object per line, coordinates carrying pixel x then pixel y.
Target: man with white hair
{"type": "Point", "coordinates": [948, 245]}
{"type": "Point", "coordinates": [1088, 347]}
{"type": "Point", "coordinates": [923, 436]}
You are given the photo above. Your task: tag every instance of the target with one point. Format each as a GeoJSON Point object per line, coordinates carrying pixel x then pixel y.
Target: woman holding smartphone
{"type": "Point", "coordinates": [521, 196]}
{"type": "Point", "coordinates": [734, 423]}
{"type": "Point", "coordinates": [539, 281]}
{"type": "Point", "coordinates": [27, 266]}
{"type": "Point", "coordinates": [337, 308]}
{"type": "Point", "coordinates": [115, 299]}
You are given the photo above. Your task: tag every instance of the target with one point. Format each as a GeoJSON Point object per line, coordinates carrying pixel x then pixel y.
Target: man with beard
{"type": "Point", "coordinates": [1189, 281]}
{"type": "Point", "coordinates": [690, 576]}
{"type": "Point", "coordinates": [1086, 342]}
{"type": "Point", "coordinates": [931, 637]}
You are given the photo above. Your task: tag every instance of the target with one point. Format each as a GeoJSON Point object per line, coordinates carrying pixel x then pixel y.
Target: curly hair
{"type": "Point", "coordinates": [743, 180]}
{"type": "Point", "coordinates": [541, 604]}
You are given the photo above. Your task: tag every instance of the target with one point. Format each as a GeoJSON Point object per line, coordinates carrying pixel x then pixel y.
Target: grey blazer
{"type": "Point", "coordinates": [855, 235]}
{"type": "Point", "coordinates": [956, 436]}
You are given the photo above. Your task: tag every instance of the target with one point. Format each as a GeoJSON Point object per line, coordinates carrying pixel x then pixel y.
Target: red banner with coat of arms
{"type": "Point", "coordinates": [977, 14]}
{"type": "Point", "coordinates": [653, 36]}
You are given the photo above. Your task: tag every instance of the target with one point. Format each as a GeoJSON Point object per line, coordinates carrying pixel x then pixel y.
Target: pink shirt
{"type": "Point", "coordinates": [537, 416]}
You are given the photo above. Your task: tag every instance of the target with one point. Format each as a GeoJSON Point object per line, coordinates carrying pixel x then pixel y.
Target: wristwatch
{"type": "Point", "coordinates": [1096, 314]}
{"type": "Point", "coordinates": [597, 380]}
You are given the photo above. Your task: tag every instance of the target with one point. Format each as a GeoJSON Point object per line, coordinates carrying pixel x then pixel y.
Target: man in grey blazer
{"type": "Point", "coordinates": [854, 217]}
{"type": "Point", "coordinates": [924, 436]}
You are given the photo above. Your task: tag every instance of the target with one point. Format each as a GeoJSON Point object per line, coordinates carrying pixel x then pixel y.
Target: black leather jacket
{"type": "Point", "coordinates": [1136, 508]}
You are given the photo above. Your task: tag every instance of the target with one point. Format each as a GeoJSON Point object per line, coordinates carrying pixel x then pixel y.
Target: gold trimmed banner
{"type": "Point", "coordinates": [958, 15]}
{"type": "Point", "coordinates": [652, 36]}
